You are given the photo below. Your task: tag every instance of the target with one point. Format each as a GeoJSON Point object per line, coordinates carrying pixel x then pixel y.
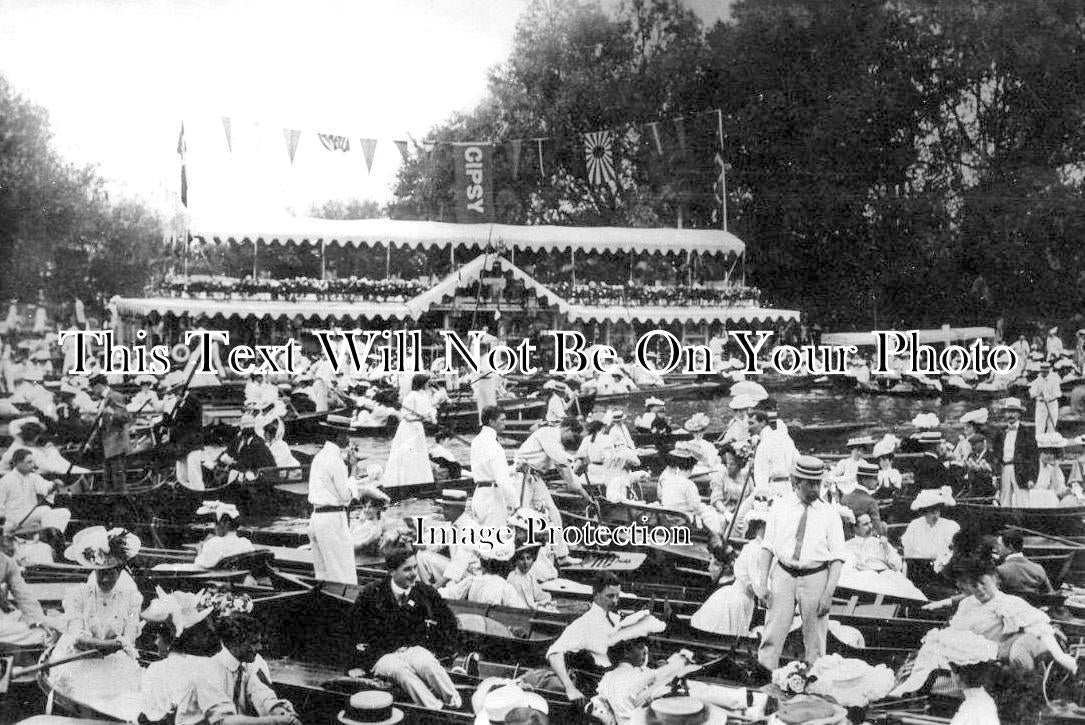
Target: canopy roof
{"type": "Point", "coordinates": [415, 234]}
{"type": "Point", "coordinates": [947, 334]}
{"type": "Point", "coordinates": [692, 314]}
{"type": "Point", "coordinates": [261, 309]}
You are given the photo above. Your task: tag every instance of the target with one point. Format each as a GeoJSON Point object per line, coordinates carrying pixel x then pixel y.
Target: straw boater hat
{"type": "Point", "coordinates": [678, 711]}
{"type": "Point", "coordinates": [809, 468]}
{"type": "Point", "coordinates": [181, 608]}
{"type": "Point", "coordinates": [1045, 366]}
{"type": "Point", "coordinates": [928, 437]}
{"type": "Point", "coordinates": [145, 380]}
{"type": "Point", "coordinates": [930, 497]}
{"type": "Point", "coordinates": [218, 509]}
{"type": "Point", "coordinates": [652, 402]}
{"type": "Point", "coordinates": [370, 707]}
{"type": "Point", "coordinates": [500, 701]}
{"type": "Point", "coordinates": [860, 442]}
{"type": "Point", "coordinates": [742, 402]}
{"type": "Point", "coordinates": [1012, 404]}
{"type": "Point", "coordinates": [697, 422]}
{"type": "Point", "coordinates": [97, 548]}
{"type": "Point", "coordinates": [613, 415]}
{"type": "Point", "coordinates": [976, 417]}
{"type": "Point", "coordinates": [851, 682]}
{"type": "Point", "coordinates": [866, 474]}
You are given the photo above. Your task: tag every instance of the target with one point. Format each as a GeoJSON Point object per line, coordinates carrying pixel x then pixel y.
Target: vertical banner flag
{"type": "Point", "coordinates": [402, 146]}
{"type": "Point", "coordinates": [292, 138]}
{"type": "Point", "coordinates": [599, 157]}
{"type": "Point", "coordinates": [229, 138]}
{"type": "Point", "coordinates": [182, 148]}
{"type": "Point", "coordinates": [514, 157]}
{"type": "Point", "coordinates": [474, 182]}
{"type": "Point", "coordinates": [656, 144]}
{"type": "Point", "coordinates": [369, 147]}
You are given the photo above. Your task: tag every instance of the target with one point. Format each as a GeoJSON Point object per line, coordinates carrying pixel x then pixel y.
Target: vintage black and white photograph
{"type": "Point", "coordinates": [514, 362]}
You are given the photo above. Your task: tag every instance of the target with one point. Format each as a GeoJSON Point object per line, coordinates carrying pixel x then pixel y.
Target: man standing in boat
{"type": "Point", "coordinates": [801, 558]}
{"type": "Point", "coordinates": [772, 456]}
{"type": "Point", "coordinates": [113, 420]}
{"type": "Point", "coordinates": [496, 493]}
{"type": "Point", "coordinates": [544, 450]}
{"type": "Point", "coordinates": [330, 493]}
{"type": "Point", "coordinates": [485, 382]}
{"type": "Point", "coordinates": [1046, 390]}
{"type": "Point", "coordinates": [1016, 450]}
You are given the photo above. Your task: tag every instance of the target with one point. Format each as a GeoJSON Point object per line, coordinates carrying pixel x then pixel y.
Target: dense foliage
{"type": "Point", "coordinates": [908, 162]}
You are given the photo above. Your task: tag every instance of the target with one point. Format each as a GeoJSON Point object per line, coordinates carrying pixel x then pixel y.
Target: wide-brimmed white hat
{"type": "Point", "coordinates": [179, 607]}
{"type": "Point", "coordinates": [887, 446]}
{"type": "Point", "coordinates": [370, 707]}
{"type": "Point", "coordinates": [925, 420]}
{"type": "Point", "coordinates": [653, 401]}
{"type": "Point", "coordinates": [851, 682]}
{"type": "Point", "coordinates": [500, 701]}
{"type": "Point", "coordinates": [696, 423]}
{"type": "Point", "coordinates": [978, 417]}
{"type": "Point", "coordinates": [555, 385]}
{"type": "Point", "coordinates": [742, 402]}
{"type": "Point", "coordinates": [15, 427]}
{"type": "Point", "coordinates": [98, 548]}
{"type": "Point", "coordinates": [932, 497]}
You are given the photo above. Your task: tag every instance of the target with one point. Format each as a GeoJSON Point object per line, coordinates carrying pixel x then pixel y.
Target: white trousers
{"type": "Point", "coordinates": [540, 499]}
{"type": "Point", "coordinates": [786, 591]}
{"type": "Point", "coordinates": [1007, 485]}
{"type": "Point", "coordinates": [190, 470]}
{"type": "Point", "coordinates": [333, 549]}
{"type": "Point", "coordinates": [417, 671]}
{"type": "Point", "coordinates": [1046, 416]}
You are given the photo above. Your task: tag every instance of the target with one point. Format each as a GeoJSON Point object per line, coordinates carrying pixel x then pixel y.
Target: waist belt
{"type": "Point", "coordinates": [328, 509]}
{"type": "Point", "coordinates": [795, 572]}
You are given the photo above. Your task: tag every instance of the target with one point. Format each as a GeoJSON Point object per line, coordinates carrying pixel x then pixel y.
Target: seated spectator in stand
{"type": "Point", "coordinates": [225, 542]}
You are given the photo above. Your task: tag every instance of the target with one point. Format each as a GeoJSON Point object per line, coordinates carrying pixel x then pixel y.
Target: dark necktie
{"type": "Point", "coordinates": [800, 533]}
{"type": "Point", "coordinates": [239, 689]}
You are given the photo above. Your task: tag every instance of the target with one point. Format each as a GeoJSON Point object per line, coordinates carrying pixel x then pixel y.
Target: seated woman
{"type": "Point", "coordinates": [473, 573]}
{"type": "Point", "coordinates": [729, 610]}
{"type": "Point", "coordinates": [631, 682]}
{"type": "Point", "coordinates": [677, 491]}
{"type": "Point", "coordinates": [622, 482]}
{"type": "Point", "coordinates": [183, 638]}
{"type": "Point", "coordinates": [1021, 632]}
{"type": "Point", "coordinates": [523, 580]}
{"type": "Point", "coordinates": [369, 532]}
{"type": "Point", "coordinates": [1050, 487]}
{"type": "Point", "coordinates": [273, 434]}
{"type": "Point", "coordinates": [224, 542]}
{"type": "Point", "coordinates": [101, 614]}
{"type": "Point", "coordinates": [930, 536]}
{"type": "Point", "coordinates": [890, 480]}
{"type": "Point", "coordinates": [726, 488]}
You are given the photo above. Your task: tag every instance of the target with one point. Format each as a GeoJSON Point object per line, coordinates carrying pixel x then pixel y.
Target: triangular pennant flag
{"type": "Point", "coordinates": [229, 138]}
{"type": "Point", "coordinates": [402, 146]}
{"type": "Point", "coordinates": [514, 157]}
{"type": "Point", "coordinates": [538, 143]}
{"type": "Point", "coordinates": [292, 138]}
{"type": "Point", "coordinates": [369, 146]}
{"type": "Point", "coordinates": [680, 130]}
{"type": "Point", "coordinates": [653, 128]}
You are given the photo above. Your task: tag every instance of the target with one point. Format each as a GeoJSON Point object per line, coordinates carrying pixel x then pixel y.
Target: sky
{"type": "Point", "coordinates": [119, 77]}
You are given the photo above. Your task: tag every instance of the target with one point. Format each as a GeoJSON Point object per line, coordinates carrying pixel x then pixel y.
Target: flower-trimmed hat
{"type": "Point", "coordinates": [925, 420]}
{"type": "Point", "coordinates": [696, 423]}
{"type": "Point", "coordinates": [976, 417]}
{"type": "Point", "coordinates": [1012, 404]}
{"type": "Point", "coordinates": [851, 682]}
{"type": "Point", "coordinates": [930, 497]}
{"type": "Point", "coordinates": [181, 608]}
{"type": "Point", "coordinates": [97, 548]}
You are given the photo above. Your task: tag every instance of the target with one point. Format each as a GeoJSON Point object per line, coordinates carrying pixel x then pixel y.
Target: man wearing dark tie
{"type": "Point", "coordinates": [1015, 450]}
{"type": "Point", "coordinates": [399, 622]}
{"type": "Point", "coordinates": [801, 557]}
{"type": "Point", "coordinates": [589, 633]}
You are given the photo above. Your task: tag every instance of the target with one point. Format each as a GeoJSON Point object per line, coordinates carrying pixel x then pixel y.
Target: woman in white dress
{"type": "Point", "coordinates": [101, 614]}
{"type": "Point", "coordinates": [730, 608]}
{"type": "Point", "coordinates": [408, 460]}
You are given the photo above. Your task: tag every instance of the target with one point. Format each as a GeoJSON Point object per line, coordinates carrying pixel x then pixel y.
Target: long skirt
{"type": "Point", "coordinates": [728, 611]}
{"type": "Point", "coordinates": [408, 460]}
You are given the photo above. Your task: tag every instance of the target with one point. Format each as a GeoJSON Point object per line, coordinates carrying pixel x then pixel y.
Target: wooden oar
{"type": "Point", "coordinates": [1052, 537]}
{"type": "Point", "coordinates": [21, 671]}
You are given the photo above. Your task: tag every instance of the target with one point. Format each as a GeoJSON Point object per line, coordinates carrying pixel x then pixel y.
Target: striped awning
{"type": "Point", "coordinates": [752, 316]}
{"type": "Point", "coordinates": [424, 235]}
{"type": "Point", "coordinates": [261, 309]}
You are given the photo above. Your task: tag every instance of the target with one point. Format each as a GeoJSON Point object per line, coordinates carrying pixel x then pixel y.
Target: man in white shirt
{"type": "Point", "coordinates": [590, 632]}
{"type": "Point", "coordinates": [1046, 389]}
{"type": "Point", "coordinates": [485, 382]}
{"type": "Point", "coordinates": [772, 457]}
{"type": "Point", "coordinates": [870, 551]}
{"type": "Point", "coordinates": [801, 557]}
{"type": "Point", "coordinates": [545, 450]}
{"type": "Point", "coordinates": [330, 492]}
{"type": "Point", "coordinates": [496, 493]}
{"type": "Point", "coordinates": [557, 404]}
{"type": "Point", "coordinates": [226, 685]}
{"type": "Point", "coordinates": [23, 494]}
